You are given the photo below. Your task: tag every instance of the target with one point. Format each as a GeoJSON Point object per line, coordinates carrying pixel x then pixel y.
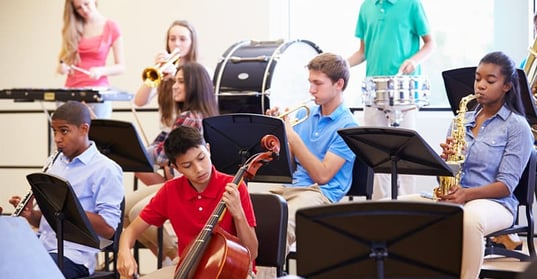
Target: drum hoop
{"type": "Point", "coordinates": [224, 64]}
{"type": "Point", "coordinates": [269, 67]}
{"type": "Point", "coordinates": [281, 48]}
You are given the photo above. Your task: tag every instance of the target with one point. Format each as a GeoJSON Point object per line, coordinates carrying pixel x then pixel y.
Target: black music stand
{"type": "Point", "coordinates": [233, 138]}
{"type": "Point", "coordinates": [62, 210]}
{"type": "Point", "coordinates": [394, 150]}
{"type": "Point", "coordinates": [380, 239]}
{"type": "Point", "coordinates": [460, 82]}
{"type": "Point", "coordinates": [119, 141]}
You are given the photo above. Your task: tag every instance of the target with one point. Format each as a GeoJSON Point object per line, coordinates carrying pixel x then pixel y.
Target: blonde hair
{"type": "Point", "coordinates": [73, 26]}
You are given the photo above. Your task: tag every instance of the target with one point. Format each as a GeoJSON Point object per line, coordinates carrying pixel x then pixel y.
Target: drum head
{"type": "Point", "coordinates": [289, 85]}
{"type": "Point", "coordinates": [243, 66]}
{"type": "Point", "coordinates": [274, 69]}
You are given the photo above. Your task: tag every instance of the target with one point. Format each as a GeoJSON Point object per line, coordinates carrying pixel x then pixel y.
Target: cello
{"type": "Point", "coordinates": [215, 253]}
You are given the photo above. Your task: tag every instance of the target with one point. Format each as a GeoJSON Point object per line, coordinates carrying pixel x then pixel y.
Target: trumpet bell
{"type": "Point", "coordinates": [152, 76]}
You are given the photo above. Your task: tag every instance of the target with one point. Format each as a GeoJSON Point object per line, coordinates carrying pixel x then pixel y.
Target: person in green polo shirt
{"type": "Point", "coordinates": [390, 33]}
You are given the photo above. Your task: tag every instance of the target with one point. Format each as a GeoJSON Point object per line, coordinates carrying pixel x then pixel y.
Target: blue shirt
{"type": "Point", "coordinates": [391, 32]}
{"type": "Point", "coordinates": [98, 184]}
{"type": "Point", "coordinates": [500, 152]}
{"type": "Point", "coordinates": [319, 134]}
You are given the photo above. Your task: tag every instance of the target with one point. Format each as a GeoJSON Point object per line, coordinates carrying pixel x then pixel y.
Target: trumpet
{"type": "Point", "coordinates": [152, 76]}
{"type": "Point", "coordinates": [302, 106]}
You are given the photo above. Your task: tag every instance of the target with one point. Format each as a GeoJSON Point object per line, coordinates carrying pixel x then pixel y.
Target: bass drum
{"type": "Point", "coordinates": [271, 73]}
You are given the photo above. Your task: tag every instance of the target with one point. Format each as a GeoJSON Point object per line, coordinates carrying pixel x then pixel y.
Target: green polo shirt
{"type": "Point", "coordinates": [391, 31]}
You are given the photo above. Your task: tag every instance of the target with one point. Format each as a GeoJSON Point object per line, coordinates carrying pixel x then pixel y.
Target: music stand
{"type": "Point", "coordinates": [233, 138]}
{"type": "Point", "coordinates": [382, 239]}
{"type": "Point", "coordinates": [119, 141]}
{"type": "Point", "coordinates": [394, 150]}
{"type": "Point", "coordinates": [460, 82]}
{"type": "Point", "coordinates": [62, 210]}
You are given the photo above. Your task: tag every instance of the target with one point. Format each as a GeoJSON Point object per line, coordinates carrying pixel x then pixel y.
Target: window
{"type": "Point", "coordinates": [464, 31]}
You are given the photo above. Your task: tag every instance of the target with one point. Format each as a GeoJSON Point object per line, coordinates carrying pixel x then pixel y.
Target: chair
{"type": "Point", "coordinates": [160, 251]}
{"type": "Point", "coordinates": [160, 232]}
{"type": "Point", "coordinates": [524, 192]}
{"type": "Point", "coordinates": [362, 185]}
{"type": "Point", "coordinates": [271, 216]}
{"type": "Point", "coordinates": [110, 253]}
{"type": "Point", "coordinates": [362, 181]}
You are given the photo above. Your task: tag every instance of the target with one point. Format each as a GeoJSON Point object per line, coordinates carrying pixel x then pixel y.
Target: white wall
{"type": "Point", "coordinates": [30, 32]}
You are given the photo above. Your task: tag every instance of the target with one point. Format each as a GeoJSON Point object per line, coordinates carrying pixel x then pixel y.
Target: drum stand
{"type": "Point", "coordinates": [395, 115]}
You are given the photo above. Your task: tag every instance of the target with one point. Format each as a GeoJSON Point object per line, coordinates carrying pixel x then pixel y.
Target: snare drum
{"type": "Point", "coordinates": [396, 91]}
{"type": "Point", "coordinates": [272, 72]}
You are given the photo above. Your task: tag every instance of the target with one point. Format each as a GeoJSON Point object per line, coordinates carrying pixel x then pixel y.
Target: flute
{"type": "Point", "coordinates": [22, 204]}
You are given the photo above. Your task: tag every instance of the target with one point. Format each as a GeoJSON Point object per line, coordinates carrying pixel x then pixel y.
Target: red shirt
{"type": "Point", "coordinates": [188, 210]}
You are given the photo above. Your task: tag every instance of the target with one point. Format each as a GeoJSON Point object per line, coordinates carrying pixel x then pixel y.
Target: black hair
{"type": "Point", "coordinates": [73, 112]}
{"type": "Point", "coordinates": [180, 140]}
{"type": "Point", "coordinates": [199, 95]}
{"type": "Point", "coordinates": [508, 69]}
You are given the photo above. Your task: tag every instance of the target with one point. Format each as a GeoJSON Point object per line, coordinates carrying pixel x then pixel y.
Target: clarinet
{"type": "Point", "coordinates": [22, 204]}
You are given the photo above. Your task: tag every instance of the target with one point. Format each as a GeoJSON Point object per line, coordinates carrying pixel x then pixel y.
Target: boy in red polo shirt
{"type": "Point", "coordinates": [188, 201]}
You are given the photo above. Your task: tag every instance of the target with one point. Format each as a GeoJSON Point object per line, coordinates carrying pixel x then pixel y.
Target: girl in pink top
{"type": "Point", "coordinates": [87, 38]}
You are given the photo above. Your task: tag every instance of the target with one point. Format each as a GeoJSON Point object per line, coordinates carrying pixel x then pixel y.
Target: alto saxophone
{"type": "Point", "coordinates": [24, 201]}
{"type": "Point", "coordinates": [455, 160]}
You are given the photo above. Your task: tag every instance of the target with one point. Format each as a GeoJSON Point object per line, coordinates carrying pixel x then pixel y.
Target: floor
{"type": "Point", "coordinates": [507, 264]}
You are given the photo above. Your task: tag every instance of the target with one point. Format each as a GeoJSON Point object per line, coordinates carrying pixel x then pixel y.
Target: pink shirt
{"type": "Point", "coordinates": [188, 210]}
{"type": "Point", "coordinates": [93, 53]}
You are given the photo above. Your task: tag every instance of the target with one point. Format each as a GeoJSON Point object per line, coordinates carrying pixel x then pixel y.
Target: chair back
{"type": "Point", "coordinates": [114, 247]}
{"type": "Point", "coordinates": [111, 249]}
{"type": "Point", "coordinates": [271, 216]}
{"type": "Point", "coordinates": [525, 190]}
{"type": "Point", "coordinates": [362, 180]}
